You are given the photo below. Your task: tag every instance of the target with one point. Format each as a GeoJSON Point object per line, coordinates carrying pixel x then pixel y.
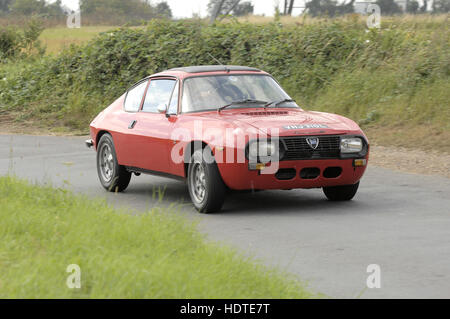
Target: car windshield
{"type": "Point", "coordinates": [213, 92]}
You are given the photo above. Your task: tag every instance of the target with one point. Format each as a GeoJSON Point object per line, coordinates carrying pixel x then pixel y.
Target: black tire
{"type": "Point", "coordinates": [341, 193]}
{"type": "Point", "coordinates": [113, 177]}
{"type": "Point", "coordinates": [213, 185]}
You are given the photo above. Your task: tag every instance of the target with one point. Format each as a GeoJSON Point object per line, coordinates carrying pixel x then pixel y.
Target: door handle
{"type": "Point", "coordinates": [132, 124]}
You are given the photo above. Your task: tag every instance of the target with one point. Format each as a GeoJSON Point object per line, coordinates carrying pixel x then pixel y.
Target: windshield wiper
{"type": "Point", "coordinates": [276, 103]}
{"type": "Point", "coordinates": [241, 102]}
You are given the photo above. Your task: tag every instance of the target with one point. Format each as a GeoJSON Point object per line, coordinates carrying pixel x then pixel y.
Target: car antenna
{"type": "Point", "coordinates": [220, 63]}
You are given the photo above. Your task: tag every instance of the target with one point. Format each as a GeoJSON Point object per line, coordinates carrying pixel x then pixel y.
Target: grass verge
{"type": "Point", "coordinates": [153, 255]}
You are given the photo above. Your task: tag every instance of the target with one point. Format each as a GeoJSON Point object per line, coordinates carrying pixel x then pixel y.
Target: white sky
{"type": "Point", "coordinates": [186, 8]}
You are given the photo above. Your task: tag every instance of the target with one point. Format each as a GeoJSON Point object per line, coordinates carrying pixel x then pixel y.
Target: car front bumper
{"type": "Point", "coordinates": [240, 177]}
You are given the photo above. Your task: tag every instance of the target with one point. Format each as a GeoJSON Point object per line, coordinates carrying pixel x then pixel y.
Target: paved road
{"type": "Point", "coordinates": [398, 221]}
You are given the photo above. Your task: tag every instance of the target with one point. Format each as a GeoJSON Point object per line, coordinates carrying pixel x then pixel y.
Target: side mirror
{"type": "Point", "coordinates": [162, 108]}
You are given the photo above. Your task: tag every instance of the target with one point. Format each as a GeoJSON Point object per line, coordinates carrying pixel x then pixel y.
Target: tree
{"type": "Point", "coordinates": [412, 6]}
{"type": "Point", "coordinates": [4, 5]}
{"type": "Point", "coordinates": [388, 7]}
{"type": "Point", "coordinates": [28, 7]}
{"type": "Point", "coordinates": [441, 6]}
{"type": "Point", "coordinates": [221, 7]}
{"type": "Point", "coordinates": [329, 7]}
{"type": "Point", "coordinates": [290, 7]}
{"type": "Point", "coordinates": [321, 7]}
{"type": "Point", "coordinates": [243, 9]}
{"type": "Point", "coordinates": [424, 6]}
{"type": "Point", "coordinates": [54, 9]}
{"type": "Point", "coordinates": [346, 7]}
{"type": "Point", "coordinates": [163, 10]}
{"type": "Point", "coordinates": [131, 9]}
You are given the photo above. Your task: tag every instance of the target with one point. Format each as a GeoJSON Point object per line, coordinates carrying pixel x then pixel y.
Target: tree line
{"type": "Point", "coordinates": [217, 9]}
{"type": "Point", "coordinates": [133, 9]}
{"type": "Point", "coordinates": [388, 7]}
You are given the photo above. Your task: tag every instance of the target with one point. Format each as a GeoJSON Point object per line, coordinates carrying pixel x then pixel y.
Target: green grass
{"type": "Point", "coordinates": [389, 113]}
{"type": "Point", "coordinates": [156, 254]}
{"type": "Point", "coordinates": [57, 38]}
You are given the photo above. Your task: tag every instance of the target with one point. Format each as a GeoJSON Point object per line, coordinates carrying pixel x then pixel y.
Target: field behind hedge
{"type": "Point", "coordinates": [393, 81]}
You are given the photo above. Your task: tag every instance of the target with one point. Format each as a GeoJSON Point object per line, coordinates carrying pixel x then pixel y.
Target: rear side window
{"type": "Point", "coordinates": [134, 97]}
{"type": "Point", "coordinates": [158, 94]}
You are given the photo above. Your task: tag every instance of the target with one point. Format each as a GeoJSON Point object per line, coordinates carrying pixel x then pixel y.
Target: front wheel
{"type": "Point", "coordinates": [113, 177]}
{"type": "Point", "coordinates": [341, 193]}
{"type": "Point", "coordinates": [205, 184]}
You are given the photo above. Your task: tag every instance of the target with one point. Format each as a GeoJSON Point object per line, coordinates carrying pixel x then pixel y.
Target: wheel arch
{"type": "Point", "coordinates": [189, 150]}
{"type": "Point", "coordinates": [99, 136]}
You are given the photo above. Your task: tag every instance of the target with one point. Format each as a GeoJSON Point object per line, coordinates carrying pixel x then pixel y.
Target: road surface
{"type": "Point", "coordinates": [398, 221]}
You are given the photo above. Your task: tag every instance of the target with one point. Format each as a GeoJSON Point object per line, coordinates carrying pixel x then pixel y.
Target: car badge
{"type": "Point", "coordinates": [313, 142]}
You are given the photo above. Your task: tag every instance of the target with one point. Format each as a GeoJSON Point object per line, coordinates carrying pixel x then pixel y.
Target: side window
{"type": "Point", "coordinates": [134, 97]}
{"type": "Point", "coordinates": [158, 93]}
{"type": "Point", "coordinates": [173, 106]}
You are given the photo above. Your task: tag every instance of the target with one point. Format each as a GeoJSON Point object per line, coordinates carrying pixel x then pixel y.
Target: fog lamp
{"type": "Point", "coordinates": [256, 166]}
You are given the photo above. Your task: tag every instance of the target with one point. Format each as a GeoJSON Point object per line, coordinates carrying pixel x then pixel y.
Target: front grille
{"type": "Point", "coordinates": [298, 149]}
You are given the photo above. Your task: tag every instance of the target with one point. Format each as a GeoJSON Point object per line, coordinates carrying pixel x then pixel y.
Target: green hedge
{"type": "Point", "coordinates": [313, 62]}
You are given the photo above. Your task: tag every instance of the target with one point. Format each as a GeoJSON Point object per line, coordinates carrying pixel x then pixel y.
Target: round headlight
{"type": "Point", "coordinates": [263, 150]}
{"type": "Point", "coordinates": [266, 148]}
{"type": "Point", "coordinates": [351, 145]}
{"type": "Point", "coordinates": [253, 150]}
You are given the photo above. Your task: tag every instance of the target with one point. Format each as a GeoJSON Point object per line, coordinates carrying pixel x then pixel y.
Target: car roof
{"type": "Point", "coordinates": [189, 71]}
{"type": "Point", "coordinates": [214, 68]}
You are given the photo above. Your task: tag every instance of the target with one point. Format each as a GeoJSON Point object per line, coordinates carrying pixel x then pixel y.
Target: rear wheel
{"type": "Point", "coordinates": [205, 184]}
{"type": "Point", "coordinates": [113, 177]}
{"type": "Point", "coordinates": [341, 193]}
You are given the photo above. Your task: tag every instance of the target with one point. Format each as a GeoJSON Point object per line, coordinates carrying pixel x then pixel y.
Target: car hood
{"type": "Point", "coordinates": [289, 121]}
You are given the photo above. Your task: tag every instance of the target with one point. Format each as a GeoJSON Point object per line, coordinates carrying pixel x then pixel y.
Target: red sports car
{"type": "Point", "coordinates": [225, 127]}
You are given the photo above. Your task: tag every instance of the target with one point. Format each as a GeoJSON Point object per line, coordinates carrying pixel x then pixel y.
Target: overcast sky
{"type": "Point", "coordinates": [186, 8]}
